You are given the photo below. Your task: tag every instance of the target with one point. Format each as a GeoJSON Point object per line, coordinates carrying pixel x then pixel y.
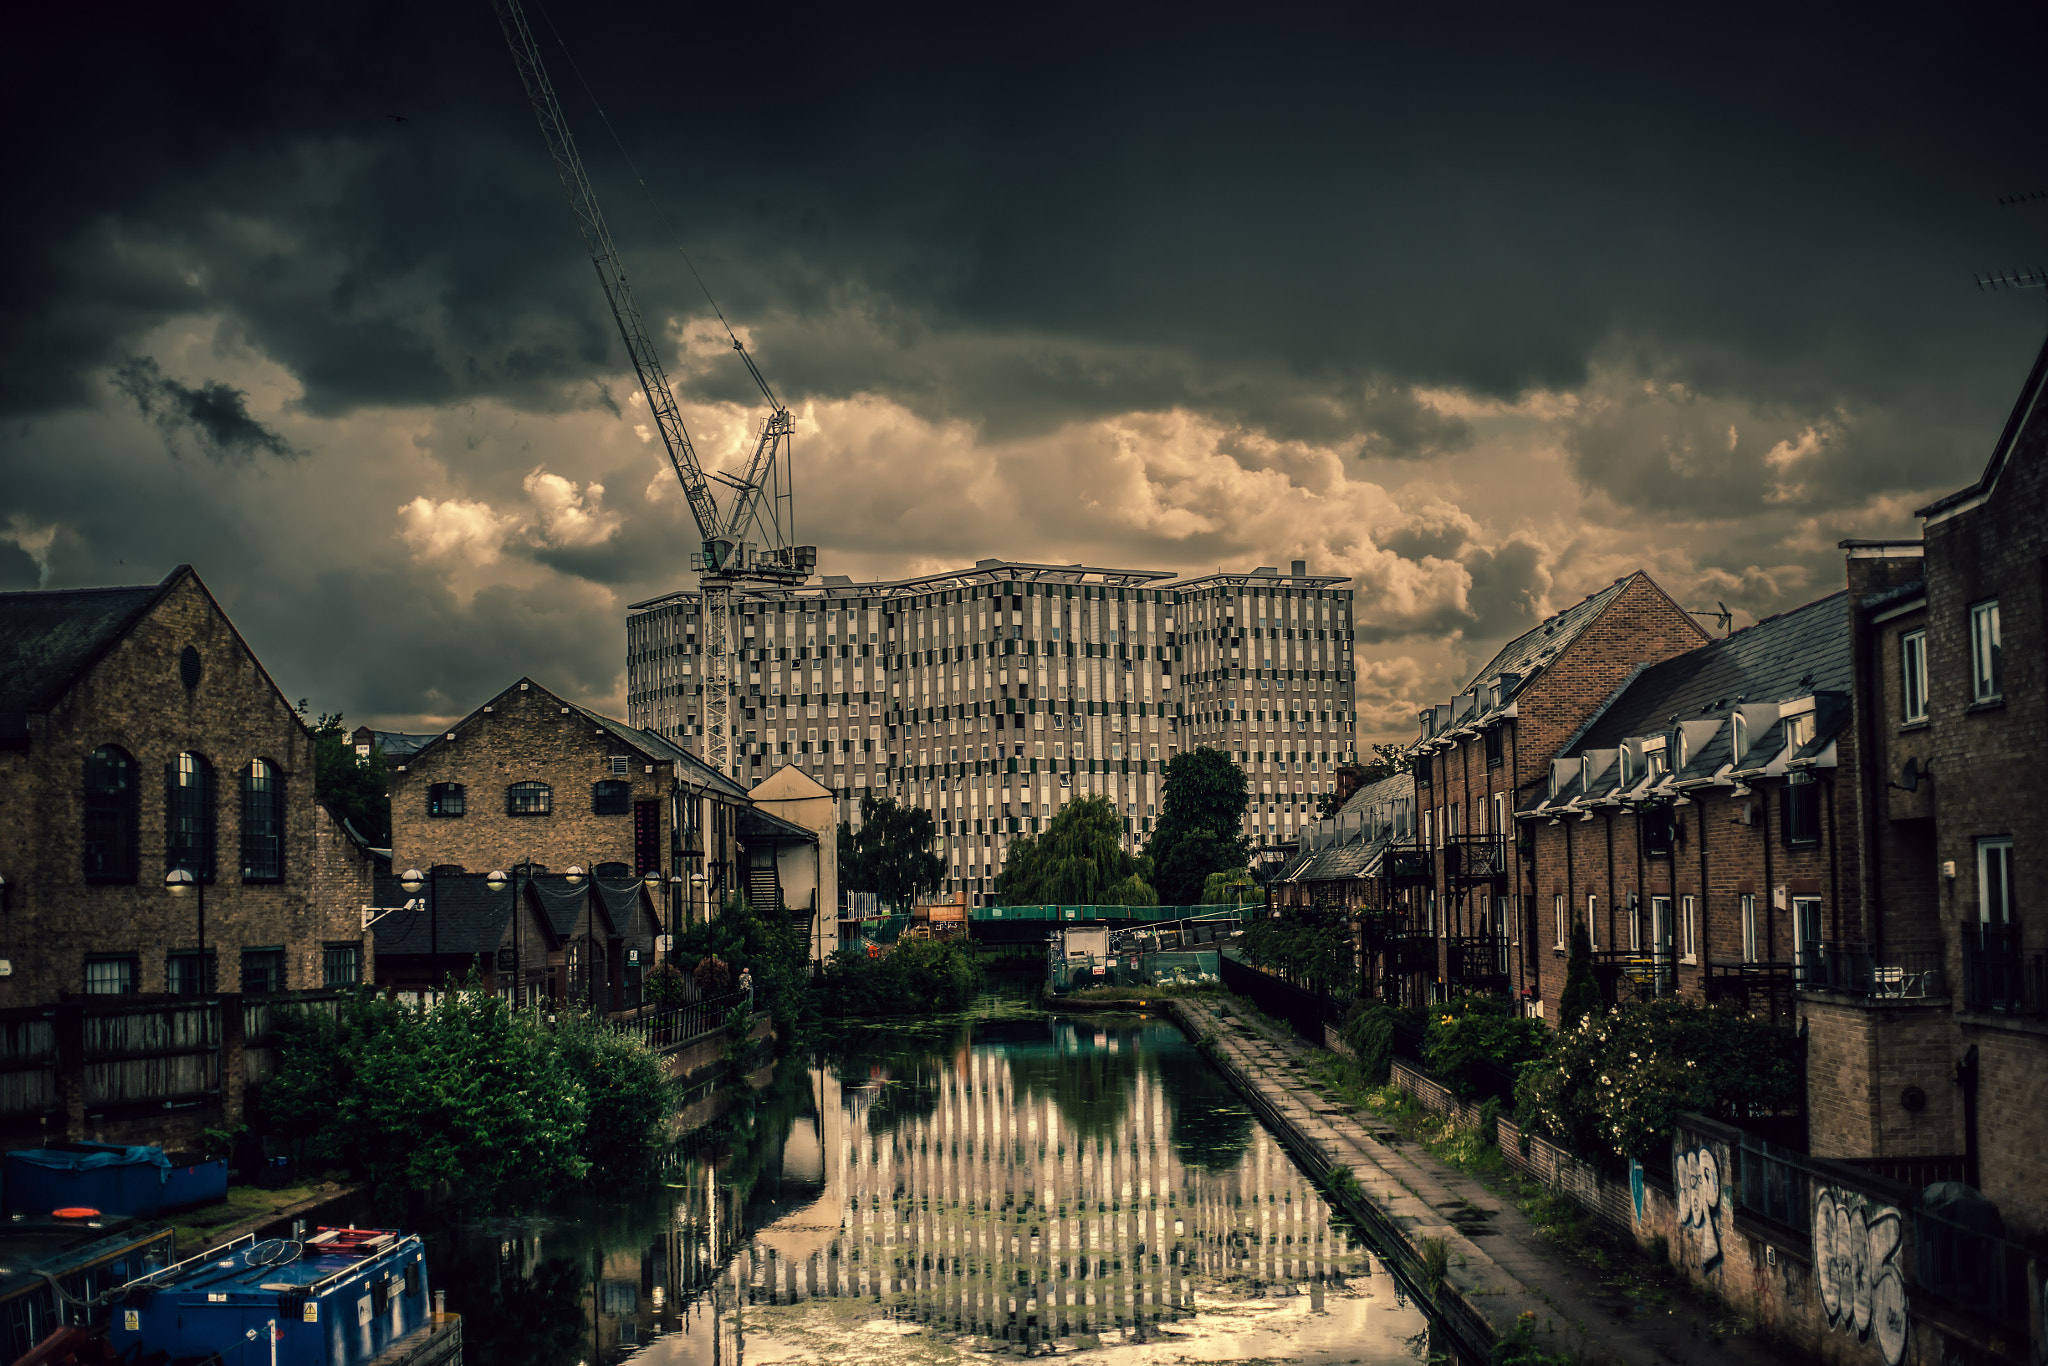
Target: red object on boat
{"type": "Point", "coordinates": [74, 1212]}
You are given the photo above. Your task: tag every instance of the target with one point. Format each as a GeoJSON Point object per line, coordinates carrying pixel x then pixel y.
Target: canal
{"type": "Point", "coordinates": [1010, 1182]}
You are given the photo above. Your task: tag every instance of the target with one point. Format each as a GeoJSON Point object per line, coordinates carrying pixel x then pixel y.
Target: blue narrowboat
{"type": "Point", "coordinates": [54, 1270]}
{"type": "Point", "coordinates": [340, 1297]}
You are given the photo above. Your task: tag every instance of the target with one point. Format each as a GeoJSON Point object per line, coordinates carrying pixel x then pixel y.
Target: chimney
{"type": "Point", "coordinates": [1301, 569]}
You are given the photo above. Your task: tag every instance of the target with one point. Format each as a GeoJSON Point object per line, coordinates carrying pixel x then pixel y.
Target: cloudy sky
{"type": "Point", "coordinates": [1481, 309]}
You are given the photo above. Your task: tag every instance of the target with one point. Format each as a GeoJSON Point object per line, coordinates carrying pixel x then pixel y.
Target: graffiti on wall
{"type": "Point", "coordinates": [1856, 1262]}
{"type": "Point", "coordinates": [1698, 1178]}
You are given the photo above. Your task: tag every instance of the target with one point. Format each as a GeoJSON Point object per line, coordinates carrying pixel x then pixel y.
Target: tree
{"type": "Point", "coordinates": [1074, 861]}
{"type": "Point", "coordinates": [891, 854]}
{"type": "Point", "coordinates": [350, 786]}
{"type": "Point", "coordinates": [738, 939]}
{"type": "Point", "coordinates": [1201, 824]}
{"type": "Point", "coordinates": [1581, 992]}
{"type": "Point", "coordinates": [1230, 886]}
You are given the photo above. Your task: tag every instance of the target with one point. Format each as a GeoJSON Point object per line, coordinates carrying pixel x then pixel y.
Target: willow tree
{"type": "Point", "coordinates": [1077, 860]}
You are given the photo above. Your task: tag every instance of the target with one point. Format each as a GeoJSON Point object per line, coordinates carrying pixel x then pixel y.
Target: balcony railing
{"type": "Point", "coordinates": [1476, 858]}
{"type": "Point", "coordinates": [1636, 974]}
{"type": "Point", "coordinates": [1408, 867]}
{"type": "Point", "coordinates": [1998, 976]}
{"type": "Point", "coordinates": [1479, 960]}
{"type": "Point", "coordinates": [1410, 953]}
{"type": "Point", "coordinates": [1754, 986]}
{"type": "Point", "coordinates": [1914, 973]}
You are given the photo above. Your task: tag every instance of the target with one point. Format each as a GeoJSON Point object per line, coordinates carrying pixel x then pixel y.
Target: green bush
{"type": "Point", "coordinates": [1369, 1033]}
{"type": "Point", "coordinates": [1469, 1031]}
{"type": "Point", "coordinates": [742, 940]}
{"type": "Point", "coordinates": [628, 1097]}
{"type": "Point", "coordinates": [917, 976]}
{"type": "Point", "coordinates": [1611, 1087]}
{"type": "Point", "coordinates": [1581, 992]}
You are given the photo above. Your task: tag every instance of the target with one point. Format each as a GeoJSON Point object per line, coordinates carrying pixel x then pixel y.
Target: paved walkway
{"type": "Point", "coordinates": [1500, 1265]}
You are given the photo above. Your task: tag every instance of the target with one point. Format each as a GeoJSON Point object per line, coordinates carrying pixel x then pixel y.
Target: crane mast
{"type": "Point", "coordinates": [730, 559]}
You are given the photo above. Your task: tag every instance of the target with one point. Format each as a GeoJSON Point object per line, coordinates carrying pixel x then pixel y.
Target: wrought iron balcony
{"type": "Point", "coordinates": [1476, 858]}
{"type": "Point", "coordinates": [1769, 987]}
{"type": "Point", "coordinates": [1636, 974]}
{"type": "Point", "coordinates": [1409, 866]}
{"type": "Point", "coordinates": [1913, 973]}
{"type": "Point", "coordinates": [1999, 976]}
{"type": "Point", "coordinates": [1479, 961]}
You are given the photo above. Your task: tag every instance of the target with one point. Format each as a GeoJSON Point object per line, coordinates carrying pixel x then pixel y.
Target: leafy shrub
{"type": "Point", "coordinates": [1368, 1031]}
{"type": "Point", "coordinates": [666, 987]}
{"type": "Point", "coordinates": [1468, 1032]}
{"type": "Point", "coordinates": [628, 1098]}
{"type": "Point", "coordinates": [914, 977]}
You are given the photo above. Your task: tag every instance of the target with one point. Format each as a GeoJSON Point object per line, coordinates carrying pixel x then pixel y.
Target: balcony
{"type": "Point", "coordinates": [1479, 962]}
{"type": "Point", "coordinates": [1999, 977]}
{"type": "Point", "coordinates": [1408, 867]}
{"type": "Point", "coordinates": [1913, 973]}
{"type": "Point", "coordinates": [1766, 988]}
{"type": "Point", "coordinates": [1475, 859]}
{"type": "Point", "coordinates": [1410, 954]}
{"type": "Point", "coordinates": [1628, 975]}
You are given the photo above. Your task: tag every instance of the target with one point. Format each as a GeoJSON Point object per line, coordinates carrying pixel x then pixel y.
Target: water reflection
{"type": "Point", "coordinates": [1030, 1186]}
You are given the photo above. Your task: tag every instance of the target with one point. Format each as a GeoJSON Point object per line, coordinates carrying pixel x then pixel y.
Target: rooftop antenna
{"type": "Point", "coordinates": [2027, 277]}
{"type": "Point", "coordinates": [1724, 620]}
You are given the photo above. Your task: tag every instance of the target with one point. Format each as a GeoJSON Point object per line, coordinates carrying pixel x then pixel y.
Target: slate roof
{"type": "Point", "coordinates": [396, 744]}
{"type": "Point", "coordinates": [2021, 417]}
{"type": "Point", "coordinates": [1793, 654]}
{"type": "Point", "coordinates": [50, 637]}
{"type": "Point", "coordinates": [689, 767]}
{"type": "Point", "coordinates": [760, 824]}
{"type": "Point", "coordinates": [471, 917]}
{"type": "Point", "coordinates": [1545, 639]}
{"type": "Point", "coordinates": [1358, 853]}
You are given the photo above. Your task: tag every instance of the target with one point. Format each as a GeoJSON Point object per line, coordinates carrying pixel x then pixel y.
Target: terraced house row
{"type": "Point", "coordinates": [992, 696]}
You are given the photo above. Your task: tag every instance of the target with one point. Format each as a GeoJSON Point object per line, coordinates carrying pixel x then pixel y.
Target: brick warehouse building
{"type": "Point", "coordinates": [531, 780]}
{"type": "Point", "coordinates": [991, 696]}
{"type": "Point", "coordinates": [139, 734]}
{"type": "Point", "coordinates": [1483, 756]}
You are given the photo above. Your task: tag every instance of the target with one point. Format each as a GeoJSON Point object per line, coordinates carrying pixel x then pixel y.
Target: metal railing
{"type": "Point", "coordinates": [1916, 1172]}
{"type": "Point", "coordinates": [1636, 974]}
{"type": "Point", "coordinates": [1408, 866]}
{"type": "Point", "coordinates": [1998, 976]}
{"type": "Point", "coordinates": [1479, 960]}
{"type": "Point", "coordinates": [1476, 858]}
{"type": "Point", "coordinates": [680, 1024]}
{"type": "Point", "coordinates": [1913, 973]}
{"type": "Point", "coordinates": [1751, 985]}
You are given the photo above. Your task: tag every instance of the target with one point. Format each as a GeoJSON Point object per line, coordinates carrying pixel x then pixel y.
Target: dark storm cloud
{"type": "Point", "coordinates": [214, 414]}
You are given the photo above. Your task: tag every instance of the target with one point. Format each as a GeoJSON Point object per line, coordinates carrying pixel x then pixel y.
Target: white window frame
{"type": "Point", "coordinates": [1557, 908]}
{"type": "Point", "coordinates": [1994, 880]}
{"type": "Point", "coordinates": [1688, 929]}
{"type": "Point", "coordinates": [1749, 936]}
{"type": "Point", "coordinates": [1593, 920]}
{"type": "Point", "coordinates": [1913, 676]}
{"type": "Point", "coordinates": [1986, 653]}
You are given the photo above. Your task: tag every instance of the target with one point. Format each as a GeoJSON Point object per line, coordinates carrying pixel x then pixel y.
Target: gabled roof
{"type": "Point", "coordinates": [1549, 637]}
{"type": "Point", "coordinates": [689, 768]}
{"type": "Point", "coordinates": [2023, 412]}
{"type": "Point", "coordinates": [50, 637]}
{"type": "Point", "coordinates": [761, 825]}
{"type": "Point", "coordinates": [1794, 654]}
{"type": "Point", "coordinates": [460, 915]}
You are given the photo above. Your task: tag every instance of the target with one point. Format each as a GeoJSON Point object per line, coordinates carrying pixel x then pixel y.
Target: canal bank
{"type": "Point", "coordinates": [1494, 1276]}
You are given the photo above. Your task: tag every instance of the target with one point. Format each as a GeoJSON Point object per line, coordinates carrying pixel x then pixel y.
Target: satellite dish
{"type": "Point", "coordinates": [1909, 776]}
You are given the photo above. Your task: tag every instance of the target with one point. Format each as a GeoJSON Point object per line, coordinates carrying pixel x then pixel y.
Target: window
{"type": "Point", "coordinates": [1994, 881]}
{"type": "Point", "coordinates": [611, 798]}
{"type": "Point", "coordinates": [110, 976]}
{"type": "Point", "coordinates": [111, 802]}
{"type": "Point", "coordinates": [1913, 675]}
{"type": "Point", "coordinates": [1585, 774]}
{"type": "Point", "coordinates": [1493, 746]}
{"type": "Point", "coordinates": [1738, 737]}
{"type": "Point", "coordinates": [1688, 929]}
{"type": "Point", "coordinates": [1806, 923]}
{"type": "Point", "coordinates": [1681, 752]}
{"type": "Point", "coordinates": [188, 815]}
{"type": "Point", "coordinates": [1802, 809]}
{"type": "Point", "coordinates": [262, 822]}
{"type": "Point", "coordinates": [622, 764]}
{"type": "Point", "coordinates": [1985, 667]}
{"type": "Point", "coordinates": [190, 974]}
{"type": "Point", "coordinates": [529, 799]}
{"type": "Point", "coordinates": [1557, 910]}
{"type": "Point", "coordinates": [445, 799]}
{"type": "Point", "coordinates": [341, 965]}
{"type": "Point", "coordinates": [1662, 933]}
{"type": "Point", "coordinates": [1626, 760]}
{"type": "Point", "coordinates": [1593, 921]}
{"type": "Point", "coordinates": [263, 969]}
{"type": "Point", "coordinates": [1750, 940]}
{"type": "Point", "coordinates": [1657, 831]}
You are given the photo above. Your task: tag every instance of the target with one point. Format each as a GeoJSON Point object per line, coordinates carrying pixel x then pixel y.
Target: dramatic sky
{"type": "Point", "coordinates": [1481, 309]}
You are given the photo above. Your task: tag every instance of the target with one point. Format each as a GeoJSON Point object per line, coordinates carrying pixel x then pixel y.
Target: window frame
{"type": "Point", "coordinates": [439, 803]}
{"type": "Point", "coordinates": [199, 844]}
{"type": "Point", "coordinates": [1688, 928]}
{"type": "Point", "coordinates": [1987, 662]}
{"type": "Point", "coordinates": [1558, 911]}
{"type": "Point", "coordinates": [1746, 901]}
{"type": "Point", "coordinates": [611, 797]}
{"type": "Point", "coordinates": [1994, 880]}
{"type": "Point", "coordinates": [1593, 921]}
{"type": "Point", "coordinates": [110, 819]}
{"type": "Point", "coordinates": [1913, 676]}
{"type": "Point", "coordinates": [531, 787]}
{"type": "Point", "coordinates": [133, 964]}
{"type": "Point", "coordinates": [255, 800]}
{"type": "Point", "coordinates": [275, 954]}
{"type": "Point", "coordinates": [176, 976]}
{"type": "Point", "coordinates": [329, 956]}
{"type": "Point", "coordinates": [1802, 801]}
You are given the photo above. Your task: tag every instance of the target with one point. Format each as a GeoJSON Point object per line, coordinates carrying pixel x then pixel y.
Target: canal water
{"type": "Point", "coordinates": [1010, 1183]}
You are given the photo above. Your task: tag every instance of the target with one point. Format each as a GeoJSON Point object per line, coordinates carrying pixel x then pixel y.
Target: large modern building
{"type": "Point", "coordinates": [991, 696]}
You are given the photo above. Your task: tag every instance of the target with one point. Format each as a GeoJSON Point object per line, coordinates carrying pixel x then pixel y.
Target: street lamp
{"type": "Point", "coordinates": [574, 875]}
{"type": "Point", "coordinates": [497, 881]}
{"type": "Point", "coordinates": [412, 880]}
{"type": "Point", "coordinates": [697, 881]}
{"type": "Point", "coordinates": [181, 882]}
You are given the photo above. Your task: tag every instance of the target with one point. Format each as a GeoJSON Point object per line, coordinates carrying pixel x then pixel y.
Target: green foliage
{"type": "Point", "coordinates": [1611, 1086]}
{"type": "Point", "coordinates": [1581, 992]}
{"type": "Point", "coordinates": [1307, 945]}
{"type": "Point", "coordinates": [917, 976]}
{"type": "Point", "coordinates": [1386, 761]}
{"type": "Point", "coordinates": [350, 787]}
{"type": "Point", "coordinates": [1201, 815]}
{"type": "Point", "coordinates": [891, 854]}
{"type": "Point", "coordinates": [1469, 1030]}
{"type": "Point", "coordinates": [1074, 861]}
{"type": "Point", "coordinates": [666, 987]}
{"type": "Point", "coordinates": [743, 940]}
{"type": "Point", "coordinates": [1228, 886]}
{"type": "Point", "coordinates": [1132, 891]}
{"type": "Point", "coordinates": [628, 1098]}
{"type": "Point", "coordinates": [1368, 1031]}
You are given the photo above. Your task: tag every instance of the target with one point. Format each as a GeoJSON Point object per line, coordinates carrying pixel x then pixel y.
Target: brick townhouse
{"type": "Point", "coordinates": [1701, 825]}
{"type": "Point", "coordinates": [533, 786]}
{"type": "Point", "coordinates": [1481, 757]}
{"type": "Point", "coordinates": [142, 743]}
{"type": "Point", "coordinates": [1950, 683]}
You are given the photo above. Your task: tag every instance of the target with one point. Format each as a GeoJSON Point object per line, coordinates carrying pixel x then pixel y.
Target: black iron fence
{"type": "Point", "coordinates": [680, 1024]}
{"type": "Point", "coordinates": [1999, 976]}
{"type": "Point", "coordinates": [1909, 973]}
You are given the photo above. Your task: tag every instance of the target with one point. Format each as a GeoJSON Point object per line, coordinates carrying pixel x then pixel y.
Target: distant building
{"type": "Point", "coordinates": [140, 737]}
{"type": "Point", "coordinates": [991, 696]}
{"type": "Point", "coordinates": [393, 744]}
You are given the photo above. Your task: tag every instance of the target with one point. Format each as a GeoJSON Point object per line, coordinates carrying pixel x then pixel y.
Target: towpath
{"type": "Point", "coordinates": [1498, 1266]}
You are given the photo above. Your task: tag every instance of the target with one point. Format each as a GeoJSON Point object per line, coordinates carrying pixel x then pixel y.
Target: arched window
{"type": "Point", "coordinates": [189, 815]}
{"type": "Point", "coordinates": [611, 798]}
{"type": "Point", "coordinates": [529, 799]}
{"type": "Point", "coordinates": [262, 822]}
{"type": "Point", "coordinates": [111, 801]}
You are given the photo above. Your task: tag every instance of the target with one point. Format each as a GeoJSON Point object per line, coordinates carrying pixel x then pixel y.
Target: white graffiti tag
{"type": "Point", "coordinates": [1855, 1252]}
{"type": "Point", "coordinates": [1698, 1178]}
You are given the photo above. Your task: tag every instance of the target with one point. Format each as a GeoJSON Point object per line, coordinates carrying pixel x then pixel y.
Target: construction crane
{"type": "Point", "coordinates": [750, 544]}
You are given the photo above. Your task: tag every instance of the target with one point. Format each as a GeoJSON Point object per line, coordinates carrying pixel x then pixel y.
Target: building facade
{"type": "Point", "coordinates": [992, 696]}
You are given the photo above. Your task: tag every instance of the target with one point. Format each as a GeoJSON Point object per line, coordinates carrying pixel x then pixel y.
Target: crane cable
{"type": "Point", "coordinates": [659, 212]}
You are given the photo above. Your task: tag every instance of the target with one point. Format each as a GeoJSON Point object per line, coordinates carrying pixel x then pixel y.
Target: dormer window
{"type": "Point", "coordinates": [1681, 753]}
{"type": "Point", "coordinates": [1627, 767]}
{"type": "Point", "coordinates": [1655, 763]}
{"type": "Point", "coordinates": [1585, 773]}
{"type": "Point", "coordinates": [1738, 737]}
{"type": "Point", "coordinates": [1799, 730]}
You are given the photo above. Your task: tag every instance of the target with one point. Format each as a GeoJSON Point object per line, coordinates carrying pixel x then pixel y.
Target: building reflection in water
{"type": "Point", "coordinates": [1031, 1184]}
